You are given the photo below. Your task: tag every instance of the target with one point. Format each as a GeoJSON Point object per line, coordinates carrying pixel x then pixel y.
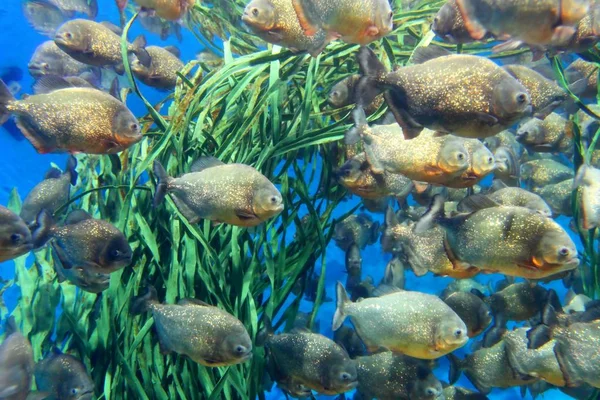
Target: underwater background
{"type": "Point", "coordinates": [232, 272]}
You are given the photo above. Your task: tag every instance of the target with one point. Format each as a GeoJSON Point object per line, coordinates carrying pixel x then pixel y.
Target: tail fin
{"type": "Point", "coordinates": [43, 230]}
{"type": "Point", "coordinates": [433, 214]}
{"type": "Point", "coordinates": [139, 304]}
{"type": "Point", "coordinates": [138, 47]}
{"type": "Point", "coordinates": [5, 98]}
{"type": "Point", "coordinates": [162, 185]}
{"type": "Point", "coordinates": [340, 312]}
{"type": "Point", "coordinates": [353, 136]}
{"type": "Point", "coordinates": [372, 70]}
{"type": "Point", "coordinates": [70, 169]}
{"type": "Point", "coordinates": [456, 368]}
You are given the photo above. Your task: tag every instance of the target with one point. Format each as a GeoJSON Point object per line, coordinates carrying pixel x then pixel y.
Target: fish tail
{"type": "Point", "coordinates": [6, 97]}
{"type": "Point", "coordinates": [162, 185]}
{"type": "Point", "coordinates": [138, 47]}
{"type": "Point", "coordinates": [372, 71]}
{"type": "Point", "coordinates": [456, 368]}
{"type": "Point", "coordinates": [354, 135]}
{"type": "Point", "coordinates": [42, 231]}
{"type": "Point", "coordinates": [140, 304]}
{"type": "Point", "coordinates": [340, 311]}
{"type": "Point", "coordinates": [71, 170]}
{"type": "Point", "coordinates": [433, 215]}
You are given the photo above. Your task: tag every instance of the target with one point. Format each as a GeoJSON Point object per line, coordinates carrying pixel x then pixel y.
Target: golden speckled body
{"type": "Point", "coordinates": [452, 93]}
{"type": "Point", "coordinates": [588, 180]}
{"type": "Point", "coordinates": [172, 10]}
{"type": "Point", "coordinates": [507, 139]}
{"type": "Point", "coordinates": [387, 376]}
{"type": "Point", "coordinates": [74, 120]}
{"type": "Point", "coordinates": [539, 173]}
{"type": "Point", "coordinates": [584, 39]}
{"type": "Point", "coordinates": [47, 195]}
{"type": "Point", "coordinates": [545, 94]}
{"type": "Point", "coordinates": [406, 322]}
{"type": "Point", "coordinates": [223, 192]}
{"type": "Point", "coordinates": [312, 360]}
{"type": "Point", "coordinates": [540, 363]}
{"type": "Point", "coordinates": [581, 69]}
{"type": "Point", "coordinates": [577, 350]}
{"type": "Point", "coordinates": [518, 197]}
{"type": "Point", "coordinates": [450, 25]}
{"type": "Point", "coordinates": [10, 224]}
{"type": "Point", "coordinates": [198, 331]}
{"type": "Point", "coordinates": [507, 240]}
{"type": "Point", "coordinates": [481, 164]}
{"type": "Point", "coordinates": [49, 59]}
{"type": "Point", "coordinates": [417, 159]}
{"type": "Point", "coordinates": [162, 72]}
{"type": "Point", "coordinates": [553, 134]}
{"type": "Point", "coordinates": [558, 196]}
{"type": "Point", "coordinates": [519, 301]}
{"type": "Point", "coordinates": [356, 229]}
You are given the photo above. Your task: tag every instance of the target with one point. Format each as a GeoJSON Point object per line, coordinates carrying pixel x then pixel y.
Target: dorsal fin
{"type": "Point", "coordinates": [188, 301]}
{"type": "Point", "coordinates": [476, 202]}
{"type": "Point", "coordinates": [426, 53]}
{"type": "Point", "coordinates": [53, 173]}
{"type": "Point", "coordinates": [77, 216]}
{"type": "Point", "coordinates": [173, 50]}
{"type": "Point", "coordinates": [205, 162]}
{"type": "Point", "coordinates": [50, 83]}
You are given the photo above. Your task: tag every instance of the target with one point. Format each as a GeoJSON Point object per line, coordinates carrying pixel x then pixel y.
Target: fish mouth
{"type": "Point", "coordinates": [60, 39]}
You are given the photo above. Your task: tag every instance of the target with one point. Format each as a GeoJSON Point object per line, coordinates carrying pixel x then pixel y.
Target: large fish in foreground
{"type": "Point", "coordinates": [63, 118]}
{"type": "Point", "coordinates": [234, 194]}
{"type": "Point", "coordinates": [464, 95]}
{"type": "Point", "coordinates": [15, 238]}
{"type": "Point", "coordinates": [515, 241]}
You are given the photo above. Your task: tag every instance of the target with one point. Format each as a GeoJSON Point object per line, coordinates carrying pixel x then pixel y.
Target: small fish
{"type": "Point", "coordinates": [530, 21]}
{"type": "Point", "coordinates": [63, 118]}
{"type": "Point", "coordinates": [463, 285]}
{"type": "Point", "coordinates": [235, 194]}
{"type": "Point", "coordinates": [204, 333]}
{"type": "Point", "coordinates": [481, 164]}
{"type": "Point", "coordinates": [515, 241]}
{"type": "Point", "coordinates": [70, 7]}
{"type": "Point", "coordinates": [553, 134]}
{"type": "Point", "coordinates": [558, 197]}
{"type": "Point", "coordinates": [97, 44]}
{"type": "Point", "coordinates": [518, 301]}
{"type": "Point", "coordinates": [310, 360]}
{"type": "Point", "coordinates": [353, 21]}
{"type": "Point", "coordinates": [84, 242]}
{"type": "Point", "coordinates": [64, 377]}
{"type": "Point", "coordinates": [394, 274]}
{"type": "Point", "coordinates": [350, 341]}
{"type": "Point", "coordinates": [413, 323]}
{"type": "Point", "coordinates": [472, 310]}
{"type": "Point", "coordinates": [161, 27]}
{"type": "Point", "coordinates": [463, 95]}
{"type": "Point", "coordinates": [89, 281]}
{"type": "Point", "coordinates": [342, 95]}
{"type": "Point", "coordinates": [518, 197]}
{"type": "Point", "coordinates": [356, 176]}
{"type": "Point", "coordinates": [584, 76]}
{"type": "Point", "coordinates": [488, 368]}
{"type": "Point", "coordinates": [427, 158]}
{"type": "Point", "coordinates": [356, 229]}
{"type": "Point", "coordinates": [539, 173]}
{"type": "Point", "coordinates": [209, 58]}
{"type": "Point", "coordinates": [588, 180]}
{"type": "Point", "coordinates": [51, 193]}
{"type": "Point", "coordinates": [449, 24]}
{"type": "Point", "coordinates": [353, 266]}
{"type": "Point", "coordinates": [16, 364]}
{"type": "Point", "coordinates": [15, 238]}
{"type": "Point", "coordinates": [545, 94]}
{"type": "Point", "coordinates": [389, 376]}
{"type": "Point", "coordinates": [43, 16]}
{"type": "Point", "coordinates": [163, 68]}
{"type": "Point", "coordinates": [363, 290]}
{"type": "Point", "coordinates": [49, 59]}
{"type": "Point", "coordinates": [172, 10]}
{"type": "Point", "coordinates": [275, 22]}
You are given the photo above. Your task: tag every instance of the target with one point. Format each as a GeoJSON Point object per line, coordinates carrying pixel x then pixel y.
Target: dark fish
{"type": "Point", "coordinates": [353, 266]}
{"type": "Point", "coordinates": [235, 194]}
{"type": "Point", "coordinates": [350, 341]}
{"type": "Point", "coordinates": [15, 238]}
{"type": "Point", "coordinates": [64, 118]}
{"type": "Point", "coordinates": [356, 229]}
{"type": "Point", "coordinates": [518, 301]}
{"type": "Point", "coordinates": [51, 193]}
{"type": "Point", "coordinates": [16, 364]}
{"type": "Point", "coordinates": [342, 95]}
{"type": "Point", "coordinates": [89, 281]}
{"type": "Point", "coordinates": [472, 310]}
{"type": "Point", "coordinates": [64, 377]}
{"type": "Point", "coordinates": [206, 334]}
{"type": "Point", "coordinates": [49, 59]}
{"type": "Point", "coordinates": [449, 24]}
{"type": "Point", "coordinates": [583, 75]}
{"type": "Point", "coordinates": [84, 242]}
{"type": "Point", "coordinates": [163, 68]}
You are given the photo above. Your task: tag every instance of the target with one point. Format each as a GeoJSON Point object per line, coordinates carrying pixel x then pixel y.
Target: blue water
{"type": "Point", "coordinates": [22, 168]}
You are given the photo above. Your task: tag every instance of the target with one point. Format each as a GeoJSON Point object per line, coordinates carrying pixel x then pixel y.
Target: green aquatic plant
{"type": "Point", "coordinates": [265, 107]}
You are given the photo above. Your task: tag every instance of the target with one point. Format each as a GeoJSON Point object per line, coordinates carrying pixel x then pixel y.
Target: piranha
{"type": "Point", "coordinates": [342, 95]}
{"type": "Point", "coordinates": [275, 22]}
{"type": "Point", "coordinates": [413, 323]}
{"type": "Point", "coordinates": [481, 163]}
{"type": "Point", "coordinates": [389, 376]}
{"type": "Point", "coordinates": [172, 10]}
{"type": "Point", "coordinates": [356, 229]}
{"type": "Point", "coordinates": [64, 118]}
{"type": "Point", "coordinates": [353, 266]}
{"type": "Point", "coordinates": [350, 341]}
{"type": "Point", "coordinates": [235, 194]}
{"type": "Point", "coordinates": [427, 158]}
{"type": "Point", "coordinates": [163, 68]}
{"type": "Point", "coordinates": [206, 334]}
{"type": "Point", "coordinates": [471, 309]}
{"type": "Point", "coordinates": [15, 237]}
{"type": "Point", "coordinates": [530, 21]}
{"type": "Point", "coordinates": [70, 7]}
{"type": "Point", "coordinates": [540, 173]}
{"type": "Point", "coordinates": [84, 242]}
{"type": "Point", "coordinates": [553, 134]}
{"type": "Point", "coordinates": [83, 278]}
{"type": "Point", "coordinates": [518, 301]}
{"type": "Point", "coordinates": [518, 197]}
{"type": "Point", "coordinates": [558, 196]}
{"type": "Point", "coordinates": [16, 364]}
{"type": "Point", "coordinates": [515, 241]}
{"type": "Point", "coordinates": [353, 21]}
{"type": "Point", "coordinates": [51, 193]}
{"type": "Point", "coordinates": [64, 377]}
{"type": "Point", "coordinates": [43, 16]}
{"type": "Point", "coordinates": [49, 59]}
{"type": "Point", "coordinates": [463, 95]}
{"type": "Point", "coordinates": [97, 44]}
{"type": "Point", "coordinates": [588, 179]}
{"type": "Point", "coordinates": [306, 359]}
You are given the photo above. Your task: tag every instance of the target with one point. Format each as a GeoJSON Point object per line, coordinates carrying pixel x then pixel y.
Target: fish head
{"type": "Point", "coordinates": [454, 157]}
{"type": "Point", "coordinates": [426, 386]}
{"type": "Point", "coordinates": [510, 99]}
{"type": "Point", "coordinates": [138, 68]}
{"type": "Point", "coordinates": [40, 66]}
{"type": "Point", "coordinates": [350, 172]}
{"type": "Point", "coordinates": [72, 36]}
{"type": "Point", "coordinates": [267, 201]}
{"type": "Point", "coordinates": [76, 386]}
{"type": "Point", "coordinates": [339, 95]}
{"type": "Point", "coordinates": [556, 248]}
{"type": "Point", "coordinates": [15, 237]}
{"type": "Point", "coordinates": [236, 346]}
{"type": "Point", "coordinates": [483, 161]}
{"type": "Point", "coordinates": [343, 375]}
{"type": "Point", "coordinates": [384, 18]}
{"type": "Point", "coordinates": [126, 129]}
{"type": "Point", "coordinates": [531, 132]}
{"type": "Point", "coordinates": [116, 254]}
{"type": "Point", "coordinates": [573, 11]}
{"type": "Point", "coordinates": [260, 14]}
{"type": "Point", "coordinates": [451, 333]}
{"type": "Point", "coordinates": [443, 23]}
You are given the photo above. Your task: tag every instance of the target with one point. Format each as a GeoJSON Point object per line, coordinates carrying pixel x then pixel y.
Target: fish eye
{"type": "Point", "coordinates": [16, 238]}
{"type": "Point", "coordinates": [134, 127]}
{"type": "Point", "coordinates": [345, 376]}
{"type": "Point", "coordinates": [436, 20]}
{"type": "Point", "coordinates": [391, 15]}
{"type": "Point", "coordinates": [429, 392]}
{"type": "Point", "coordinates": [273, 199]}
{"type": "Point", "coordinates": [45, 66]}
{"type": "Point", "coordinates": [458, 333]}
{"type": "Point", "coordinates": [563, 251]}
{"type": "Point", "coordinates": [69, 35]}
{"type": "Point", "coordinates": [522, 98]}
{"type": "Point", "coordinates": [490, 160]}
{"type": "Point", "coordinates": [460, 156]}
{"type": "Point", "coordinates": [255, 11]}
{"type": "Point", "coordinates": [115, 253]}
{"type": "Point", "coordinates": [74, 391]}
{"type": "Point", "coordinates": [335, 93]}
{"type": "Point", "coordinates": [240, 349]}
